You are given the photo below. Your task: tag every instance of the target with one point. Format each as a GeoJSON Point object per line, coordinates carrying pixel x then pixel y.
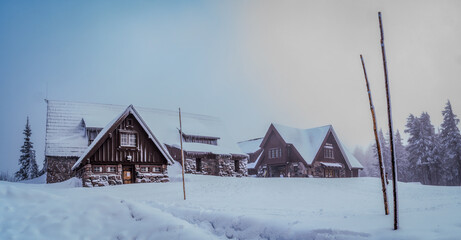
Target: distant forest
{"type": "Point", "coordinates": [430, 157]}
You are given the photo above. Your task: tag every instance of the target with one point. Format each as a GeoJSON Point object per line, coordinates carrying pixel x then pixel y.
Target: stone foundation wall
{"type": "Point", "coordinates": [217, 167]}
{"type": "Point", "coordinates": [59, 168]}
{"type": "Point", "coordinates": [318, 170]}
{"type": "Point", "coordinates": [92, 179]}
{"type": "Point", "coordinates": [151, 177]}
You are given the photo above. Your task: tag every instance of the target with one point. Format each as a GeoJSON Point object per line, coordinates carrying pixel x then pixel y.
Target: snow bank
{"type": "Point", "coordinates": [228, 208]}
{"type": "Point", "coordinates": [37, 214]}
{"type": "Point", "coordinates": [37, 180]}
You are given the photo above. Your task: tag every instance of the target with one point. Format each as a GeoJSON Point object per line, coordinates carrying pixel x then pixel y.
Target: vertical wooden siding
{"type": "Point", "coordinates": [111, 151]}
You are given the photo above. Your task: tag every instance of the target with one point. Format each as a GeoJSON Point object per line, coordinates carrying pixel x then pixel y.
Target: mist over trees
{"type": "Point", "coordinates": [429, 157]}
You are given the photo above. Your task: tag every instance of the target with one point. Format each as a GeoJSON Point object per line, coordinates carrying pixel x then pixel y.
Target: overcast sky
{"type": "Point", "coordinates": [248, 62]}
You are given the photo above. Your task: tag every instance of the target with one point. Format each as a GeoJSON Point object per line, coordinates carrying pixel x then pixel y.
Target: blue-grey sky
{"type": "Point", "coordinates": [247, 62]}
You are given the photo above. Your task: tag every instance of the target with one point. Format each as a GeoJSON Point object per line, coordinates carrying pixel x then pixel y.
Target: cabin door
{"type": "Point", "coordinates": [127, 174]}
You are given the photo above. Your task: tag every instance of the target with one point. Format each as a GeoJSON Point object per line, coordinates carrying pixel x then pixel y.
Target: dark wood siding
{"type": "Point", "coordinates": [338, 156]}
{"type": "Point", "coordinates": [111, 151]}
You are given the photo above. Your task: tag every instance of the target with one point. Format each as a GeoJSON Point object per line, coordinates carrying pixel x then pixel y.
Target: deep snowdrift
{"type": "Point", "coordinates": [221, 208]}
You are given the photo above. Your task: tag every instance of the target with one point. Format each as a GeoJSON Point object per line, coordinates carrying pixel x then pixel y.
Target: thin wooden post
{"type": "Point", "coordinates": [391, 132]}
{"type": "Point", "coordinates": [378, 145]}
{"type": "Point", "coordinates": [182, 155]}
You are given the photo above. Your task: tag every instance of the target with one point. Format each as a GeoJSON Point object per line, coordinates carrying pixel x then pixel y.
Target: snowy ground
{"type": "Point", "coordinates": [224, 207]}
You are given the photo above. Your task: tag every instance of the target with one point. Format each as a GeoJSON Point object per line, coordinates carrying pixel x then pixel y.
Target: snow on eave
{"type": "Point", "coordinates": [255, 163]}
{"type": "Point", "coordinates": [351, 161]}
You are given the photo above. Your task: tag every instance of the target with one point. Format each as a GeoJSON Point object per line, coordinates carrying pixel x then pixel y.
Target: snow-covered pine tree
{"type": "Point", "coordinates": [403, 165]}
{"type": "Point", "coordinates": [450, 140]}
{"type": "Point", "coordinates": [28, 166]}
{"type": "Point", "coordinates": [413, 129]}
{"type": "Point", "coordinates": [385, 149]}
{"type": "Point", "coordinates": [428, 161]}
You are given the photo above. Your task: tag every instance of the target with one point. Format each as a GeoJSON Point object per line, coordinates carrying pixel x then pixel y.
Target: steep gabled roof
{"type": "Point", "coordinates": [98, 141]}
{"type": "Point", "coordinates": [250, 146]}
{"type": "Point", "coordinates": [67, 123]}
{"type": "Point", "coordinates": [308, 142]}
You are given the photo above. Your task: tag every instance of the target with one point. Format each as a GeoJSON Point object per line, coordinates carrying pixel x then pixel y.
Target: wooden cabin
{"type": "Point", "coordinates": [101, 138]}
{"type": "Point", "coordinates": [291, 152]}
{"type": "Point", "coordinates": [123, 152]}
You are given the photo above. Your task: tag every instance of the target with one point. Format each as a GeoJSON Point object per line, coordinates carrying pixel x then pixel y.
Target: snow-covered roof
{"type": "Point", "coordinates": [66, 123]}
{"type": "Point", "coordinates": [253, 164]}
{"type": "Point", "coordinates": [250, 146]}
{"type": "Point", "coordinates": [308, 142]}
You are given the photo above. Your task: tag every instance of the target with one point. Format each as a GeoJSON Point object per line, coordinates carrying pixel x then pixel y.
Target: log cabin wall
{"type": "Point", "coordinates": [111, 151]}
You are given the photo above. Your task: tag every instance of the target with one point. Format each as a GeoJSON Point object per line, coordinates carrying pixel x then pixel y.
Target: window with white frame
{"type": "Point", "coordinates": [328, 151]}
{"type": "Point", "coordinates": [128, 139]}
{"type": "Point", "coordinates": [97, 169]}
{"type": "Point", "coordinates": [144, 169]}
{"type": "Point", "coordinates": [156, 169]}
{"type": "Point", "coordinates": [275, 153]}
{"type": "Point", "coordinates": [111, 169]}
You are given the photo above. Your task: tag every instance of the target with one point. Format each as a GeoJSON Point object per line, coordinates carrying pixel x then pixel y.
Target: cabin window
{"type": "Point", "coordinates": [128, 139]}
{"type": "Point", "coordinates": [144, 169]}
{"type": "Point", "coordinates": [111, 169]}
{"type": "Point", "coordinates": [156, 169]}
{"type": "Point", "coordinates": [198, 165]}
{"type": "Point", "coordinates": [328, 151]}
{"type": "Point", "coordinates": [275, 153]}
{"type": "Point", "coordinates": [237, 165]}
{"type": "Point", "coordinates": [97, 169]}
{"type": "Point", "coordinates": [129, 122]}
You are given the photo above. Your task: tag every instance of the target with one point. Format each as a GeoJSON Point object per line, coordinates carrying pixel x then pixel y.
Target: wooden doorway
{"type": "Point", "coordinates": [127, 175]}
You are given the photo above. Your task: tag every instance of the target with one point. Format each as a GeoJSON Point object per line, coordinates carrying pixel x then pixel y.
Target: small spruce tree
{"type": "Point", "coordinates": [28, 166]}
{"type": "Point", "coordinates": [450, 143]}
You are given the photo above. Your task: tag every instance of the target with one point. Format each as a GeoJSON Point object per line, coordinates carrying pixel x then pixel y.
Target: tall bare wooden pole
{"type": "Point", "coordinates": [378, 145]}
{"type": "Point", "coordinates": [182, 156]}
{"type": "Point", "coordinates": [391, 132]}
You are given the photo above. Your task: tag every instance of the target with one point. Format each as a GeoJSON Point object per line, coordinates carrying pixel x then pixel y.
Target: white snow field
{"type": "Point", "coordinates": [227, 208]}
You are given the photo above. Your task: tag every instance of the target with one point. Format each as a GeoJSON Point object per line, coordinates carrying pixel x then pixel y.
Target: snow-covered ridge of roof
{"type": "Point", "coordinates": [66, 133]}
{"type": "Point", "coordinates": [250, 146]}
{"type": "Point", "coordinates": [308, 142]}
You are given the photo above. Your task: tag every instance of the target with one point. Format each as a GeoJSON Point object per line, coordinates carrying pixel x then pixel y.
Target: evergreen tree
{"type": "Point", "coordinates": [428, 159]}
{"type": "Point", "coordinates": [28, 166]}
{"type": "Point", "coordinates": [412, 128]}
{"type": "Point", "coordinates": [450, 144]}
{"type": "Point", "coordinates": [403, 165]}
{"type": "Point", "coordinates": [421, 148]}
{"type": "Point", "coordinates": [386, 152]}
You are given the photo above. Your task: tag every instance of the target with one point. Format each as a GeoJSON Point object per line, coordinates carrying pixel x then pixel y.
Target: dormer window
{"type": "Point", "coordinates": [92, 133]}
{"type": "Point", "coordinates": [328, 151]}
{"type": "Point", "coordinates": [128, 140]}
